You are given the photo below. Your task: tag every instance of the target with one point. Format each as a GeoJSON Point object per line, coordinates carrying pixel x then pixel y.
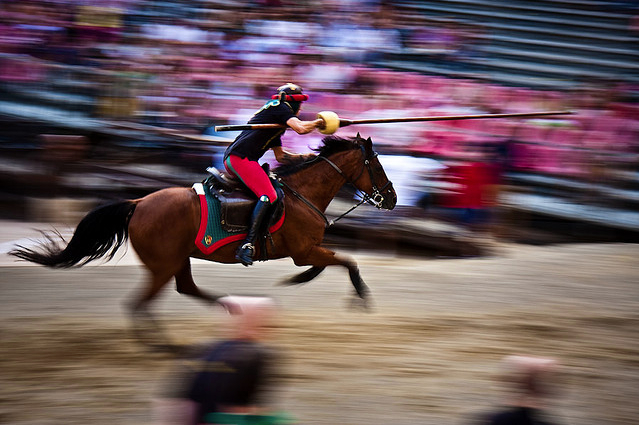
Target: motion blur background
{"type": "Point", "coordinates": [87, 87]}
{"type": "Point", "coordinates": [116, 99]}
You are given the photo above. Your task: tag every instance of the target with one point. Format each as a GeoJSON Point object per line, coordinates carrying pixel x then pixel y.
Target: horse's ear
{"type": "Point", "coordinates": [368, 145]}
{"type": "Point", "coordinates": [358, 137]}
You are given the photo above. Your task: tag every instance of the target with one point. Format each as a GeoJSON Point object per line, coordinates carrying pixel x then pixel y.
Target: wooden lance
{"type": "Point", "coordinates": [332, 121]}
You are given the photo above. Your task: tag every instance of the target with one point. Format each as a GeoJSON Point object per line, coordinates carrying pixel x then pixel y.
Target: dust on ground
{"type": "Point", "coordinates": [427, 353]}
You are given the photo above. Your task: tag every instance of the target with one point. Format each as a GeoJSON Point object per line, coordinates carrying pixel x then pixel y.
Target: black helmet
{"type": "Point", "coordinates": [290, 92]}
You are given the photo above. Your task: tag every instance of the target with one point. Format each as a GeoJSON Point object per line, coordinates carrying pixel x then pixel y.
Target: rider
{"type": "Point", "coordinates": [240, 158]}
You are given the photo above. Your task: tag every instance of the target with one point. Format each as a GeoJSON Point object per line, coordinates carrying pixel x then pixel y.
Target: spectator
{"type": "Point", "coordinates": [328, 74]}
{"type": "Point", "coordinates": [477, 181]}
{"type": "Point", "coordinates": [233, 376]}
{"type": "Point", "coordinates": [529, 382]}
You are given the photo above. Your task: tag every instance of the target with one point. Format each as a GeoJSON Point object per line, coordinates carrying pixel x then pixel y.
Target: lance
{"type": "Point", "coordinates": [332, 122]}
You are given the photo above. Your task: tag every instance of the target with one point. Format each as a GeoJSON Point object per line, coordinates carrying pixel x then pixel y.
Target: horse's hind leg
{"type": "Point", "coordinates": [146, 329]}
{"type": "Point", "coordinates": [185, 284]}
{"type": "Point", "coordinates": [156, 282]}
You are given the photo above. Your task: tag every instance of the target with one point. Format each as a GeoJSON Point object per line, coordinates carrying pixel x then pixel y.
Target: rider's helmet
{"type": "Point", "coordinates": [291, 94]}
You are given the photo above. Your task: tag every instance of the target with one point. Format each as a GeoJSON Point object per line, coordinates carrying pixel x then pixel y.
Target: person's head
{"type": "Point", "coordinates": [291, 94]}
{"type": "Point", "coordinates": [256, 316]}
{"type": "Point", "coordinates": [530, 379]}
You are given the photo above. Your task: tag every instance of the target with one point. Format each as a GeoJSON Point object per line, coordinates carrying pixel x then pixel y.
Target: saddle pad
{"type": "Point", "coordinates": [211, 234]}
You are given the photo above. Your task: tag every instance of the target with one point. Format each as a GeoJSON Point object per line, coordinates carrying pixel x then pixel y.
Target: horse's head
{"type": "Point", "coordinates": [356, 161]}
{"type": "Point", "coordinates": [360, 166]}
{"type": "Point", "coordinates": [372, 179]}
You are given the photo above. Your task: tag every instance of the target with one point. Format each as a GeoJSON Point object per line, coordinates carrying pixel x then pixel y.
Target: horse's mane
{"type": "Point", "coordinates": [330, 146]}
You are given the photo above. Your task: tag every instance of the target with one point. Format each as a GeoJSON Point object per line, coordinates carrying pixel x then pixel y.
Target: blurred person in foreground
{"type": "Point", "coordinates": [529, 382]}
{"type": "Point", "coordinates": [228, 379]}
{"type": "Point", "coordinates": [240, 158]}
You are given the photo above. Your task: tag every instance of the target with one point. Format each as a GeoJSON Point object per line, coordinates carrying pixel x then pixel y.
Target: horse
{"type": "Point", "coordinates": [162, 226]}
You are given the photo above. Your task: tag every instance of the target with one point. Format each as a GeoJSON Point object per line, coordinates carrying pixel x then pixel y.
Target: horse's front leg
{"type": "Point", "coordinates": [320, 257]}
{"type": "Point", "coordinates": [304, 277]}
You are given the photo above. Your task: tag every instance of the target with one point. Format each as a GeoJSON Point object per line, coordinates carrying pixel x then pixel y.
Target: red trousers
{"type": "Point", "coordinates": [252, 175]}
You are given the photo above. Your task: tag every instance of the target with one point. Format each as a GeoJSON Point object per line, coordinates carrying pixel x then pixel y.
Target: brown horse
{"type": "Point", "coordinates": [162, 226]}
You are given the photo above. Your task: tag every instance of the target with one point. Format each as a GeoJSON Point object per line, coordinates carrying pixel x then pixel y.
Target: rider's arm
{"type": "Point", "coordinates": [303, 127]}
{"type": "Point", "coordinates": [283, 156]}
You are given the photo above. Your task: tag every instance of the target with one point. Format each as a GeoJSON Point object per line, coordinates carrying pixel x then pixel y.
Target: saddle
{"type": "Point", "coordinates": [237, 201]}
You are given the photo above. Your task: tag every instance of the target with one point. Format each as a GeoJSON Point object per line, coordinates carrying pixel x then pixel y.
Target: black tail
{"type": "Point", "coordinates": [100, 233]}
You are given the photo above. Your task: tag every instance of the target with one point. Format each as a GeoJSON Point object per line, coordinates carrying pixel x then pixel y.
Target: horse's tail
{"type": "Point", "coordinates": [100, 233]}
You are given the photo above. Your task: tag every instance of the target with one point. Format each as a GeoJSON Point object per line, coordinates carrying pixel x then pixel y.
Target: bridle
{"type": "Point", "coordinates": [376, 198]}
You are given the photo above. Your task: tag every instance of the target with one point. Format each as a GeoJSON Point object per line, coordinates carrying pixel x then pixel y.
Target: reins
{"type": "Point", "coordinates": [327, 223]}
{"type": "Point", "coordinates": [376, 199]}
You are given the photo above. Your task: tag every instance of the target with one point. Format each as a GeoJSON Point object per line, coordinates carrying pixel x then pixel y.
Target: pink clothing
{"type": "Point", "coordinates": [252, 175]}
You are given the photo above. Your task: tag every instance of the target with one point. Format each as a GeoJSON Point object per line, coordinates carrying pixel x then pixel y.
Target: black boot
{"type": "Point", "coordinates": [245, 252]}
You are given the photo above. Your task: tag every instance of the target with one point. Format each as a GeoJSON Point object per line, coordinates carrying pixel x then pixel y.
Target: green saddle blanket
{"type": "Point", "coordinates": [212, 235]}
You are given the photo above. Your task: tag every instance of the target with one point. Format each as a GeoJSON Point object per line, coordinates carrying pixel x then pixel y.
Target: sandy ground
{"type": "Point", "coordinates": [428, 353]}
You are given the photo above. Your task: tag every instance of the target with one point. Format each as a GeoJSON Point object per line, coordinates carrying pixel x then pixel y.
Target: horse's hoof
{"type": "Point", "coordinates": [361, 304]}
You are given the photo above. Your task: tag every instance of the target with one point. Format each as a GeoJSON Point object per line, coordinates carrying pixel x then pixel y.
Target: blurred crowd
{"type": "Point", "coordinates": [189, 65]}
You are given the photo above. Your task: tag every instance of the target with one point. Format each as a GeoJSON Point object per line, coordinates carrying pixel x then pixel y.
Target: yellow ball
{"type": "Point", "coordinates": [331, 122]}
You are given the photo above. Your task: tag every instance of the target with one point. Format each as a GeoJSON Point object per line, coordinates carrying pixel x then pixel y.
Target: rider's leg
{"type": "Point", "coordinates": [254, 177]}
{"type": "Point", "coordinates": [246, 251]}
